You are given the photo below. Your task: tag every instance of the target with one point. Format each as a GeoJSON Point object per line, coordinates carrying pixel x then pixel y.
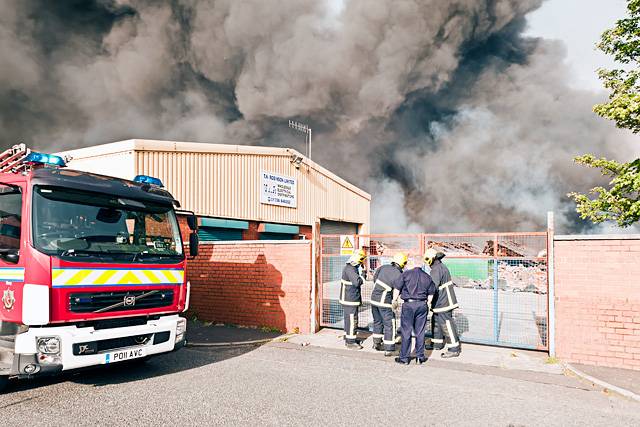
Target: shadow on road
{"type": "Point", "coordinates": [126, 372]}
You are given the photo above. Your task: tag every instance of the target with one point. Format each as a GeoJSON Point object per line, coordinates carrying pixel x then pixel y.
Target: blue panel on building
{"type": "Point", "coordinates": [280, 228]}
{"type": "Point", "coordinates": [224, 223]}
{"type": "Point", "coordinates": [216, 234]}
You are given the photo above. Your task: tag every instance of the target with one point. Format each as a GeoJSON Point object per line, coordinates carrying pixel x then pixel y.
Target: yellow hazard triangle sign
{"type": "Point", "coordinates": [346, 245]}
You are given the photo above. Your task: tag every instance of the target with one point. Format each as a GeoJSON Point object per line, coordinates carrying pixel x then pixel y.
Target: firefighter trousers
{"type": "Point", "coordinates": [350, 323]}
{"type": "Point", "coordinates": [413, 318]}
{"type": "Point", "coordinates": [445, 327]}
{"type": "Point", "coordinates": [384, 327]}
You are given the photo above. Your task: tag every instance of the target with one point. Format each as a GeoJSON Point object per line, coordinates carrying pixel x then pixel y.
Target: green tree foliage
{"type": "Point", "coordinates": [621, 200]}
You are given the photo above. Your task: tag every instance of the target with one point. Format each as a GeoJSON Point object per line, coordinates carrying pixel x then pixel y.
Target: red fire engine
{"type": "Point", "coordinates": [92, 269]}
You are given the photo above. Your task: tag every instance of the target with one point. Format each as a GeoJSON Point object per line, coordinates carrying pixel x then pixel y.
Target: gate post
{"type": "Point", "coordinates": [496, 324]}
{"type": "Point", "coordinates": [551, 291]}
{"type": "Point", "coordinates": [314, 280]}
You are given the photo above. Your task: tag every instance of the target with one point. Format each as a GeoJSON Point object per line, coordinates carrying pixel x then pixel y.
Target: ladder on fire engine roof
{"type": "Point", "coordinates": [11, 159]}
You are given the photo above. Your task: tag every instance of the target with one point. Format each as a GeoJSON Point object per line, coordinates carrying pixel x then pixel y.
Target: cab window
{"type": "Point", "coordinates": [10, 217]}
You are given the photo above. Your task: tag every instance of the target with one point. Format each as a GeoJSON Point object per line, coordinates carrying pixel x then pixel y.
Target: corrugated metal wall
{"type": "Point", "coordinates": [120, 165]}
{"type": "Point", "coordinates": [228, 185]}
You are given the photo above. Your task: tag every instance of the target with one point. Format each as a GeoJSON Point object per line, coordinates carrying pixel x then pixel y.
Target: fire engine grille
{"type": "Point", "coordinates": [103, 302]}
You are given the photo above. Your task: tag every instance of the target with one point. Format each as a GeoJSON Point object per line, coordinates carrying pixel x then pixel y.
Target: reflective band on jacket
{"type": "Point", "coordinates": [63, 277]}
{"type": "Point", "coordinates": [384, 285]}
{"type": "Point", "coordinates": [383, 297]}
{"type": "Point", "coordinates": [343, 297]}
{"type": "Point", "coordinates": [345, 282]}
{"type": "Point", "coordinates": [451, 305]}
{"type": "Point", "coordinates": [444, 285]}
{"type": "Point", "coordinates": [381, 304]}
{"type": "Point", "coordinates": [447, 308]}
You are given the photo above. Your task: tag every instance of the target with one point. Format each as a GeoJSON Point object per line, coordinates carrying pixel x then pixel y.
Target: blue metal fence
{"type": "Point", "coordinates": [500, 281]}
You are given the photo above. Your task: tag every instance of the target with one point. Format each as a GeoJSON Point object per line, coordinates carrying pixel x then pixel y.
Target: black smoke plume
{"type": "Point", "coordinates": [443, 110]}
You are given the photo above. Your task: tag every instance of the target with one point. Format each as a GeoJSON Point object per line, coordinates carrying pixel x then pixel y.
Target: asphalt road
{"type": "Point", "coordinates": [283, 384]}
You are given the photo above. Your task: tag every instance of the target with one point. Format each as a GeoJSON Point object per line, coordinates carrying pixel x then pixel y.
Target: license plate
{"type": "Point", "coordinates": [122, 355]}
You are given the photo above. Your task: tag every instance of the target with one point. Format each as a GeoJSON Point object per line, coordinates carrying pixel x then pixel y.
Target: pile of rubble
{"type": "Point", "coordinates": [524, 277]}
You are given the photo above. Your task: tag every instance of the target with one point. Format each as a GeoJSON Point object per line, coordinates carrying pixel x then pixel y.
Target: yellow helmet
{"type": "Point", "coordinates": [401, 259]}
{"type": "Point", "coordinates": [357, 257]}
{"type": "Point", "coordinates": [430, 255]}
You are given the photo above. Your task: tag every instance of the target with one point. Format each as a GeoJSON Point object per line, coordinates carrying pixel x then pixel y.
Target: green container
{"type": "Point", "coordinates": [474, 269]}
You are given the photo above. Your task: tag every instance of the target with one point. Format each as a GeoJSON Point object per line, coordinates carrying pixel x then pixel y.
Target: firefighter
{"type": "Point", "coordinates": [350, 297]}
{"type": "Point", "coordinates": [416, 290]}
{"type": "Point", "coordinates": [445, 303]}
{"type": "Point", "coordinates": [384, 320]}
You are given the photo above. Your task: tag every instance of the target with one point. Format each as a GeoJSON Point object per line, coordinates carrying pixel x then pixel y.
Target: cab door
{"type": "Point", "coordinates": [11, 262]}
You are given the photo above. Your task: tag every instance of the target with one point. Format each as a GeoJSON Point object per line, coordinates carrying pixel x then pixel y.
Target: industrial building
{"type": "Point", "coordinates": [239, 192]}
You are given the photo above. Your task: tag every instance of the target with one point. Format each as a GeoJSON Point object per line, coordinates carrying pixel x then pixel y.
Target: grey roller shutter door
{"type": "Point", "coordinates": [336, 227]}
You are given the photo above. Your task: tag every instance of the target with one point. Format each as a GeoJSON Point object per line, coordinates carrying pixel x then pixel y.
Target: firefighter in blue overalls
{"type": "Point", "coordinates": [445, 303]}
{"type": "Point", "coordinates": [416, 290]}
{"type": "Point", "coordinates": [351, 298]}
{"type": "Point", "coordinates": [384, 320]}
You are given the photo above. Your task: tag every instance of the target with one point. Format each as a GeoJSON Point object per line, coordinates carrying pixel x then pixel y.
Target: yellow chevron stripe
{"type": "Point", "coordinates": [78, 277]}
{"type": "Point", "coordinates": [152, 277]}
{"type": "Point", "coordinates": [129, 279]}
{"type": "Point", "coordinates": [169, 275]}
{"type": "Point", "coordinates": [104, 277]}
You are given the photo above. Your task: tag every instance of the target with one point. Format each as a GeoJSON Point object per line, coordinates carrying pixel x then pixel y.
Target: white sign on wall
{"type": "Point", "coordinates": [278, 190]}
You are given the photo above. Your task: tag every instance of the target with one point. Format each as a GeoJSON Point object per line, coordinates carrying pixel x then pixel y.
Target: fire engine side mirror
{"type": "Point", "coordinates": [192, 222]}
{"type": "Point", "coordinates": [193, 244]}
{"type": "Point", "coordinates": [11, 256]}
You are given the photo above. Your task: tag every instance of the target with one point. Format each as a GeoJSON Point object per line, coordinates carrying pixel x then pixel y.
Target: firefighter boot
{"type": "Point", "coordinates": [402, 362]}
{"type": "Point", "coordinates": [377, 345]}
{"type": "Point", "coordinates": [449, 354]}
{"type": "Point", "coordinates": [353, 346]}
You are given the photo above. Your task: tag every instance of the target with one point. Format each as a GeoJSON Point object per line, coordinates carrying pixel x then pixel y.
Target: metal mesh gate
{"type": "Point", "coordinates": [500, 278]}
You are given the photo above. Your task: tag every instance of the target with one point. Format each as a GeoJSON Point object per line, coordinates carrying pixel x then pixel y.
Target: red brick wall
{"type": "Point", "coordinates": [252, 232]}
{"type": "Point", "coordinates": [253, 284]}
{"type": "Point", "coordinates": [597, 285]}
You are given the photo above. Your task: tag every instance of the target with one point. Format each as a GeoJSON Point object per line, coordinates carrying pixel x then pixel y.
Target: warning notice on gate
{"type": "Point", "coordinates": [346, 245]}
{"type": "Point", "coordinates": [278, 190]}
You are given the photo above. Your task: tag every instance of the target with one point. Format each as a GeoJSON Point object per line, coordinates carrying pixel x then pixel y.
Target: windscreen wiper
{"type": "Point", "coordinates": [146, 254]}
{"type": "Point", "coordinates": [78, 252]}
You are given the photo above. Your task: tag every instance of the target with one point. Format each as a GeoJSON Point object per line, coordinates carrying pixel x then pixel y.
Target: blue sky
{"type": "Point", "coordinates": [578, 23]}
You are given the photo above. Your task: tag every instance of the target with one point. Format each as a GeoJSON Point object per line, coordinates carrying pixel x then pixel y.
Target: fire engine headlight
{"type": "Point", "coordinates": [181, 328]}
{"type": "Point", "coordinates": [49, 345]}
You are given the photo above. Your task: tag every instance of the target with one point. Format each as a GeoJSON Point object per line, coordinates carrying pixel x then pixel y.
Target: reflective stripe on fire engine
{"type": "Point", "coordinates": [62, 277]}
{"type": "Point", "coordinates": [12, 274]}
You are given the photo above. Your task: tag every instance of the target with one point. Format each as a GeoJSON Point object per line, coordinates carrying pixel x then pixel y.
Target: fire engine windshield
{"type": "Point", "coordinates": [76, 224]}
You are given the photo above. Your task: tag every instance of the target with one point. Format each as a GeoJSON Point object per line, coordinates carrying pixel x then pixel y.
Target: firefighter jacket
{"type": "Point", "coordinates": [350, 286]}
{"type": "Point", "coordinates": [383, 280]}
{"type": "Point", "coordinates": [415, 284]}
{"type": "Point", "coordinates": [445, 299]}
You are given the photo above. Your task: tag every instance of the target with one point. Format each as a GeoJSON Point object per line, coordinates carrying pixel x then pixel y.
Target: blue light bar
{"type": "Point", "coordinates": [145, 179]}
{"type": "Point", "coordinates": [45, 159]}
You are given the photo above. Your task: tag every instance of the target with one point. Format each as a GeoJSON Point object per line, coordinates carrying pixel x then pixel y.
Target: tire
{"type": "Point", "coordinates": [3, 383]}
